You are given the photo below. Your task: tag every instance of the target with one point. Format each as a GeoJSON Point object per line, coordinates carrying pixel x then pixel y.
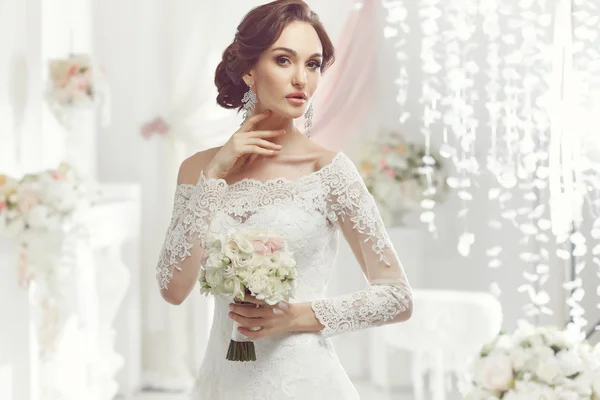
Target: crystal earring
{"type": "Point", "coordinates": [249, 101]}
{"type": "Point", "coordinates": [308, 120]}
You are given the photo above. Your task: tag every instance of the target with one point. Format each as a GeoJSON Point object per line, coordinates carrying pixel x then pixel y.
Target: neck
{"type": "Point", "coordinates": [275, 122]}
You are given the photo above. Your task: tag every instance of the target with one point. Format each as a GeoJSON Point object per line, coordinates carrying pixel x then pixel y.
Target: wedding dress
{"type": "Point", "coordinates": [308, 211]}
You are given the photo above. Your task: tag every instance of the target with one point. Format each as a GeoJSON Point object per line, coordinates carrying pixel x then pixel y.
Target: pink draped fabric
{"type": "Point", "coordinates": [348, 87]}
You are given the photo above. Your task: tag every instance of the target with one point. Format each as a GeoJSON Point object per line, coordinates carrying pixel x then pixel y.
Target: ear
{"type": "Point", "coordinates": [248, 79]}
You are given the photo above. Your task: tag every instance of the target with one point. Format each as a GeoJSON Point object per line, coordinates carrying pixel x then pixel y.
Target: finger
{"type": "Point", "coordinates": [251, 299]}
{"type": "Point", "coordinates": [246, 126]}
{"type": "Point", "coordinates": [252, 148]}
{"type": "Point", "coordinates": [254, 334]}
{"type": "Point", "coordinates": [264, 143]}
{"type": "Point", "coordinates": [264, 134]}
{"type": "Point", "coordinates": [248, 322]}
{"type": "Point", "coordinates": [245, 311]}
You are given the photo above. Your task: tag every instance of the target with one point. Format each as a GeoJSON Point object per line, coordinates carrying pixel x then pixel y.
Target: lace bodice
{"type": "Point", "coordinates": [309, 212]}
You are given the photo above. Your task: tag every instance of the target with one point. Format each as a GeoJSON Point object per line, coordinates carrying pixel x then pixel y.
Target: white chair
{"type": "Point", "coordinates": [446, 330]}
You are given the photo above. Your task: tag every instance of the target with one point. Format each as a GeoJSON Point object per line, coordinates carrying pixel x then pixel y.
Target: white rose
{"type": "Point", "coordinates": [494, 372]}
{"type": "Point", "coordinates": [248, 260]}
{"type": "Point", "coordinates": [231, 249]}
{"type": "Point", "coordinates": [214, 277]}
{"type": "Point", "coordinates": [570, 362]}
{"type": "Point", "coordinates": [274, 292]}
{"type": "Point", "coordinates": [233, 287]}
{"type": "Point", "coordinates": [519, 357]}
{"type": "Point", "coordinates": [548, 370]}
{"type": "Point", "coordinates": [243, 243]}
{"type": "Point", "coordinates": [287, 260]}
{"type": "Point", "coordinates": [214, 260]}
{"type": "Point", "coordinates": [258, 284]}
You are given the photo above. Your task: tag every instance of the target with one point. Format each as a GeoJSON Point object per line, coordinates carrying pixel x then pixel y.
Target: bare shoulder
{"type": "Point", "coordinates": [325, 157]}
{"type": "Point", "coordinates": [190, 168]}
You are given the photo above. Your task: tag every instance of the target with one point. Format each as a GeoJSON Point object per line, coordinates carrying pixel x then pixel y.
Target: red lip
{"type": "Point", "coordinates": [297, 95]}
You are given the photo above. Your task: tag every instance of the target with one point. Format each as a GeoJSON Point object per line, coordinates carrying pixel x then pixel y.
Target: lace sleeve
{"type": "Point", "coordinates": [184, 240]}
{"type": "Point", "coordinates": [388, 299]}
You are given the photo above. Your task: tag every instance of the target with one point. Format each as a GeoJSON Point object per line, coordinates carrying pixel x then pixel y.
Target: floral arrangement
{"type": "Point", "coordinates": [73, 83]}
{"type": "Point", "coordinates": [38, 209]}
{"type": "Point", "coordinates": [248, 261]}
{"type": "Point", "coordinates": [400, 175]}
{"type": "Point", "coordinates": [542, 363]}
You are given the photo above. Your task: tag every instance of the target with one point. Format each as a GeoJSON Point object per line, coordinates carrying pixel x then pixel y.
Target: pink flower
{"type": "Point", "coordinates": [3, 206]}
{"type": "Point", "coordinates": [259, 247]}
{"type": "Point", "coordinates": [382, 164]}
{"type": "Point", "coordinates": [390, 173]}
{"type": "Point", "coordinates": [269, 246]}
{"type": "Point", "coordinates": [56, 175]}
{"type": "Point", "coordinates": [27, 200]}
{"type": "Point", "coordinates": [273, 244]}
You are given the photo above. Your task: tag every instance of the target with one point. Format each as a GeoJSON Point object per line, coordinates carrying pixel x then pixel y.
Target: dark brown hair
{"type": "Point", "coordinates": [259, 29]}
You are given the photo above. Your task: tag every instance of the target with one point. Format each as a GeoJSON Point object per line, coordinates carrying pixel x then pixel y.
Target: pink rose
{"type": "Point", "coordinates": [273, 244]}
{"type": "Point", "coordinates": [27, 200]}
{"type": "Point", "coordinates": [269, 246]}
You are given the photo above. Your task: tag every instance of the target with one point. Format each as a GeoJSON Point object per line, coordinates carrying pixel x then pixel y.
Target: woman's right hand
{"type": "Point", "coordinates": [241, 145]}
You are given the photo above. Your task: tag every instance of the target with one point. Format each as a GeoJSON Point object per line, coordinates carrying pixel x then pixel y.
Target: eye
{"type": "Point", "coordinates": [314, 65]}
{"type": "Point", "coordinates": [282, 60]}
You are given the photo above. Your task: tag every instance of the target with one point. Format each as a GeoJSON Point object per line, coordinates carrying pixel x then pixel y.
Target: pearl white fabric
{"type": "Point", "coordinates": [308, 211]}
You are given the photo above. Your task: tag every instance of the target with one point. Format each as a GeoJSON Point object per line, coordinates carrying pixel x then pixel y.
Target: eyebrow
{"type": "Point", "coordinates": [295, 53]}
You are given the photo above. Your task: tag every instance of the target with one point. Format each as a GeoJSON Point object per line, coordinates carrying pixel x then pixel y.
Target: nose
{"type": "Point", "coordinates": [299, 79]}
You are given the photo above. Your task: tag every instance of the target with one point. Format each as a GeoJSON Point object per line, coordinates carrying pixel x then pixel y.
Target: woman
{"type": "Point", "coordinates": [270, 175]}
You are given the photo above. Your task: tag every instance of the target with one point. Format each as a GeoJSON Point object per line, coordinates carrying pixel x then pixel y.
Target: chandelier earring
{"type": "Point", "coordinates": [308, 116]}
{"type": "Point", "coordinates": [249, 101]}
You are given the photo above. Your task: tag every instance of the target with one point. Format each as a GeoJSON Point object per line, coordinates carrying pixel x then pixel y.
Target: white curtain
{"type": "Point", "coordinates": [198, 32]}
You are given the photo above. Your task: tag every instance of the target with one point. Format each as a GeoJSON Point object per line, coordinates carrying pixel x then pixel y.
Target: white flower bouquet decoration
{"type": "Point", "coordinates": [541, 363]}
{"type": "Point", "coordinates": [37, 210]}
{"type": "Point", "coordinates": [400, 175]}
{"type": "Point", "coordinates": [248, 261]}
{"type": "Point", "coordinates": [74, 83]}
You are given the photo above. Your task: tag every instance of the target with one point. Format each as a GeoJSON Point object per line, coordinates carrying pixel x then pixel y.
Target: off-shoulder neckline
{"type": "Point", "coordinates": [257, 182]}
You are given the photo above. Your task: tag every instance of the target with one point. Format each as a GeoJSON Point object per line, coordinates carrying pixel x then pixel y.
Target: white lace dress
{"type": "Point", "coordinates": [309, 212]}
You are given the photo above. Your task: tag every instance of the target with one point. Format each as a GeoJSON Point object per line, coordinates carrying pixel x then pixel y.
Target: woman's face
{"type": "Point", "coordinates": [287, 74]}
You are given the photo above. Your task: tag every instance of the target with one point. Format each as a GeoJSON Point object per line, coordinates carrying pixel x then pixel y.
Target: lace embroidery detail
{"type": "Point", "coordinates": [309, 211]}
{"type": "Point", "coordinates": [376, 305]}
{"type": "Point", "coordinates": [350, 198]}
{"type": "Point", "coordinates": [189, 224]}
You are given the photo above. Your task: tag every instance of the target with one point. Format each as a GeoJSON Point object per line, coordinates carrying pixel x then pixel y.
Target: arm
{"type": "Point", "coordinates": [180, 258]}
{"type": "Point", "coordinates": [388, 299]}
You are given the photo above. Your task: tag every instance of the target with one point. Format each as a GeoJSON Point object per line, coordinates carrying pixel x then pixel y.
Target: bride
{"type": "Point", "coordinates": [270, 175]}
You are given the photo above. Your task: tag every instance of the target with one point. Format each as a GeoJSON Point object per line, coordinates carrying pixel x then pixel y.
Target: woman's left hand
{"type": "Point", "coordinates": [272, 320]}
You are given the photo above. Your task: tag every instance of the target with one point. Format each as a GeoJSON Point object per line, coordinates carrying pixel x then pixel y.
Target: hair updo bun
{"type": "Point", "coordinates": [259, 29]}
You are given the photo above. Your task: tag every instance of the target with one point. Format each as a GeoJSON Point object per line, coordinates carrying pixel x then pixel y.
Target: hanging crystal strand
{"type": "Point", "coordinates": [586, 69]}
{"type": "Point", "coordinates": [430, 13]}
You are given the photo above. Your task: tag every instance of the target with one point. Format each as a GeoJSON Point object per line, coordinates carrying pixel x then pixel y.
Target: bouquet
{"type": "Point", "coordinates": [400, 175]}
{"type": "Point", "coordinates": [535, 363]}
{"type": "Point", "coordinates": [38, 210]}
{"type": "Point", "coordinates": [74, 83]}
{"type": "Point", "coordinates": [248, 261]}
